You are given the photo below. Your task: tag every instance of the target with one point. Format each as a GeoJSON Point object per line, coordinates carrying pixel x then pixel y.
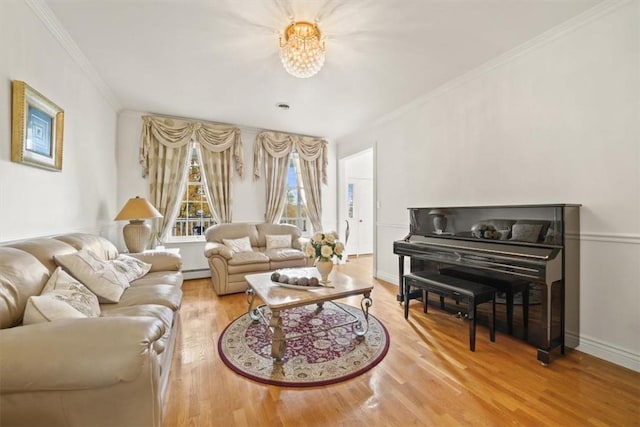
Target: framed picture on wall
{"type": "Point", "coordinates": [37, 126]}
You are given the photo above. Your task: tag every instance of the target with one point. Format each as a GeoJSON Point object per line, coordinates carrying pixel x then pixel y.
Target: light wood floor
{"type": "Point", "coordinates": [429, 376]}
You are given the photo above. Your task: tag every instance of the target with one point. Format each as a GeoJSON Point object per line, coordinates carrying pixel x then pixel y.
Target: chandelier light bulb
{"type": "Point", "coordinates": [302, 49]}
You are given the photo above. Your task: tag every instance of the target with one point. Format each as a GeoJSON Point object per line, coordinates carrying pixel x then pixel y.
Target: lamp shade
{"type": "Point", "coordinates": [138, 208]}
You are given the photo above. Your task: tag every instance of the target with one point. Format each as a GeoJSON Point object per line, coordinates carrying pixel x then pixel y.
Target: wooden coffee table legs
{"type": "Point", "coordinates": [278, 342]}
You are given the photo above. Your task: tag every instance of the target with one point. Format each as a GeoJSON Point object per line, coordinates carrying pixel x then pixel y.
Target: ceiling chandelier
{"type": "Point", "coordinates": [302, 49]}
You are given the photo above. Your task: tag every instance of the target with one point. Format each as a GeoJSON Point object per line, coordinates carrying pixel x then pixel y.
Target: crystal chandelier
{"type": "Point", "coordinates": [302, 49]}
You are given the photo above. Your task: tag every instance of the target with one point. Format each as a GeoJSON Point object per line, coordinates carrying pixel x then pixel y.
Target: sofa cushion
{"type": "Point", "coordinates": [63, 297]}
{"type": "Point", "coordinates": [218, 232]}
{"type": "Point", "coordinates": [160, 312]}
{"type": "Point", "coordinates": [173, 278]}
{"type": "Point", "coordinates": [240, 245]}
{"type": "Point", "coordinates": [248, 258]}
{"type": "Point", "coordinates": [96, 244]}
{"type": "Point", "coordinates": [244, 269]}
{"type": "Point", "coordinates": [283, 254]}
{"type": "Point", "coordinates": [267, 229]}
{"type": "Point", "coordinates": [276, 241]}
{"type": "Point", "coordinates": [21, 276]}
{"type": "Point", "coordinates": [45, 250]}
{"type": "Point", "coordinates": [167, 295]}
{"type": "Point", "coordinates": [100, 276]}
{"type": "Point", "coordinates": [131, 267]}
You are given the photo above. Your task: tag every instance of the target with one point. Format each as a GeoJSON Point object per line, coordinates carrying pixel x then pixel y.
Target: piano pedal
{"type": "Point", "coordinates": [462, 316]}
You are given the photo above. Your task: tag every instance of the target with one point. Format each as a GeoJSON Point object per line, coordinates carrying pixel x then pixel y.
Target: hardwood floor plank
{"type": "Point", "coordinates": [429, 376]}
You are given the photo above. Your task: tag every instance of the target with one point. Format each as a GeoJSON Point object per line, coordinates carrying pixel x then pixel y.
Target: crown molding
{"type": "Point", "coordinates": [51, 22]}
{"type": "Point", "coordinates": [578, 21]}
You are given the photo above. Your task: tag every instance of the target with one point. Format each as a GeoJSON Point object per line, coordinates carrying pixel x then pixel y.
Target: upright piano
{"type": "Point", "coordinates": [537, 243]}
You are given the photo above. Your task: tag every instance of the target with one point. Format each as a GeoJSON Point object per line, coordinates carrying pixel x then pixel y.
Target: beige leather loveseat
{"type": "Point", "coordinates": [269, 247]}
{"type": "Point", "coordinates": [104, 370]}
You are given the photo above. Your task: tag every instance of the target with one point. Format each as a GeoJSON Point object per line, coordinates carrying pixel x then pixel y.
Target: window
{"type": "Point", "coordinates": [194, 213]}
{"type": "Point", "coordinates": [295, 212]}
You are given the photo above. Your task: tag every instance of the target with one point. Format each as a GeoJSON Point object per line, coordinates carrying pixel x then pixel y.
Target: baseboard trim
{"type": "Point", "coordinates": [610, 353]}
{"type": "Point", "coordinates": [196, 274]}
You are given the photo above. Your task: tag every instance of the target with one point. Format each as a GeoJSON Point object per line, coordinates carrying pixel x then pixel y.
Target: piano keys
{"type": "Point", "coordinates": [543, 259]}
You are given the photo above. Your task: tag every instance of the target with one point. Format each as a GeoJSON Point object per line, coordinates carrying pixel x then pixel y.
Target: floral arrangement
{"type": "Point", "coordinates": [324, 246]}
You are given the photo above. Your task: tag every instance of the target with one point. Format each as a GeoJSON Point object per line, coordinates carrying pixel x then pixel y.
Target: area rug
{"type": "Point", "coordinates": [317, 359]}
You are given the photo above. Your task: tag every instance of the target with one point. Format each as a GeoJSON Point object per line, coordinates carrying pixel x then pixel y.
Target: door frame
{"type": "Point", "coordinates": [342, 197]}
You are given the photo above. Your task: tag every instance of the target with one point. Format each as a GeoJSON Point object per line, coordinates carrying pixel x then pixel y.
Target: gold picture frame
{"type": "Point", "coordinates": [37, 127]}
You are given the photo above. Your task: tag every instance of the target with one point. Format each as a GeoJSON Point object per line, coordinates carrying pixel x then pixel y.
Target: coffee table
{"type": "Point", "coordinates": [277, 298]}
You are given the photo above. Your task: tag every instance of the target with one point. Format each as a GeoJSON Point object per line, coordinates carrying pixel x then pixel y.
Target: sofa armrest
{"type": "Point", "coordinates": [303, 241]}
{"type": "Point", "coordinates": [214, 248]}
{"type": "Point", "coordinates": [160, 261]}
{"type": "Point", "coordinates": [76, 353]}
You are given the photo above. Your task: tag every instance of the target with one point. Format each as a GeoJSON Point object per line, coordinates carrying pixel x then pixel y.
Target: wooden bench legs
{"type": "Point", "coordinates": [462, 290]}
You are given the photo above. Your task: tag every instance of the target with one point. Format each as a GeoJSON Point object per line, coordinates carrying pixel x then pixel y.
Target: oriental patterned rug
{"type": "Point", "coordinates": [317, 359]}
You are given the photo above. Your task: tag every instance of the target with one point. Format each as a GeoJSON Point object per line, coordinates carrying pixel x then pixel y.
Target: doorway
{"type": "Point", "coordinates": [356, 203]}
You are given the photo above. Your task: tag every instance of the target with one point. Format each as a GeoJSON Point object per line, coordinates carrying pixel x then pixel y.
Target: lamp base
{"type": "Point", "coordinates": [136, 235]}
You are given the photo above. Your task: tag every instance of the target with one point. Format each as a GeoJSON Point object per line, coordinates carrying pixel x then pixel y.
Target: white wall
{"type": "Point", "coordinates": [557, 122]}
{"type": "Point", "coordinates": [248, 194]}
{"type": "Point", "coordinates": [37, 202]}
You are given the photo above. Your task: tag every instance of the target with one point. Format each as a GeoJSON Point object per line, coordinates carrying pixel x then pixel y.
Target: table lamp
{"type": "Point", "coordinates": [137, 232]}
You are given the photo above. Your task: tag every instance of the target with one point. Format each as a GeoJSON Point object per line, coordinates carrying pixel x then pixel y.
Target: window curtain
{"type": "Point", "coordinates": [164, 157]}
{"type": "Point", "coordinates": [275, 148]}
{"type": "Point", "coordinates": [220, 145]}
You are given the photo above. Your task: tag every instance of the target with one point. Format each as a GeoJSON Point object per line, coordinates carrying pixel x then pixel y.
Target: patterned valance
{"type": "Point", "coordinates": [176, 133]}
{"type": "Point", "coordinates": [278, 144]}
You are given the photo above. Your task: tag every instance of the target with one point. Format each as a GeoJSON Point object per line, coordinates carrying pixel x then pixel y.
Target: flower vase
{"type": "Point", "coordinates": [324, 268]}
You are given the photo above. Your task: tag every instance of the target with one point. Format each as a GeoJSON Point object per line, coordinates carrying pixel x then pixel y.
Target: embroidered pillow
{"type": "Point", "coordinates": [131, 267]}
{"type": "Point", "coordinates": [276, 241]}
{"type": "Point", "coordinates": [526, 232]}
{"type": "Point", "coordinates": [63, 297]}
{"type": "Point", "coordinates": [100, 276]}
{"type": "Point", "coordinates": [238, 245]}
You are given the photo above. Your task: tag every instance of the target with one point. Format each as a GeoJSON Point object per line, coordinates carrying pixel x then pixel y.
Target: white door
{"type": "Point", "coordinates": [360, 215]}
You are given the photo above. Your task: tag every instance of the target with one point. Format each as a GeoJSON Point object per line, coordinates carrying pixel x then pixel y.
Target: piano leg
{"type": "Point", "coordinates": [400, 297]}
{"type": "Point", "coordinates": [472, 324]}
{"type": "Point", "coordinates": [551, 341]}
{"type": "Point", "coordinates": [543, 357]}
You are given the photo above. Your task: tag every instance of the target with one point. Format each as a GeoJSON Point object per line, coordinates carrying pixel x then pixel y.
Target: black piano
{"type": "Point", "coordinates": [536, 244]}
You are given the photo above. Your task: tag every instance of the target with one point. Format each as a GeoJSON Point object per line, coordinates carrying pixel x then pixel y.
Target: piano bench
{"type": "Point", "coordinates": [448, 286]}
{"type": "Point", "coordinates": [509, 285]}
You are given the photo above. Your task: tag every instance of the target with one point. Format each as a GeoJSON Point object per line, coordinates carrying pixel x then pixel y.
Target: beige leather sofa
{"type": "Point", "coordinates": [110, 370]}
{"type": "Point", "coordinates": [228, 268]}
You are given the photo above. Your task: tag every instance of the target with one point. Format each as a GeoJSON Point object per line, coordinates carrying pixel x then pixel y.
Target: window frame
{"type": "Point", "coordinates": [301, 221]}
{"type": "Point", "coordinates": [185, 186]}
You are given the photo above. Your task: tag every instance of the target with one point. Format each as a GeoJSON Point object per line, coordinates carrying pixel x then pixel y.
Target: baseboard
{"type": "Point", "coordinates": [391, 278]}
{"type": "Point", "coordinates": [571, 339]}
{"type": "Point", "coordinates": [196, 274]}
{"type": "Point", "coordinates": [609, 353]}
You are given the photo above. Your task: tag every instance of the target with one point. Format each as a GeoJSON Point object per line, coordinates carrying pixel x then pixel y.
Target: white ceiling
{"type": "Point", "coordinates": [218, 59]}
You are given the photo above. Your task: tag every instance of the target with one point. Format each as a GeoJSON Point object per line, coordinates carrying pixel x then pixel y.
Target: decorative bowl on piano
{"type": "Point", "coordinates": [484, 231]}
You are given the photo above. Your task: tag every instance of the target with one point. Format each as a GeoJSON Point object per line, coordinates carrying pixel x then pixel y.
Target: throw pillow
{"type": "Point", "coordinates": [131, 267]}
{"type": "Point", "coordinates": [238, 245]}
{"type": "Point", "coordinates": [100, 276]}
{"type": "Point", "coordinates": [63, 297]}
{"type": "Point", "coordinates": [526, 232]}
{"type": "Point", "coordinates": [276, 241]}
